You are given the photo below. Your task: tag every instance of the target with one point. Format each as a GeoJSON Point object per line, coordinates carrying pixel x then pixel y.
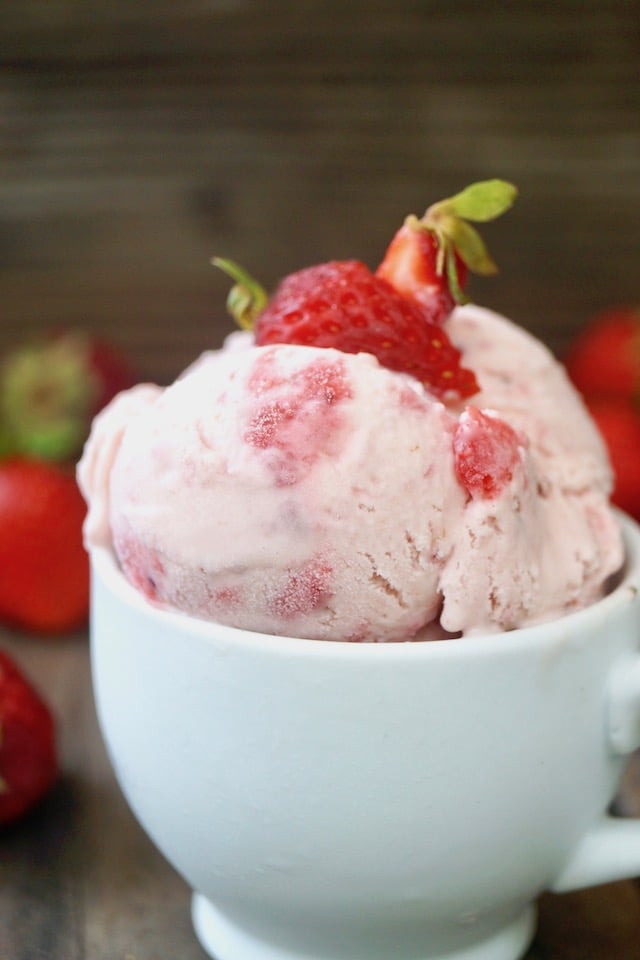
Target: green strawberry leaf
{"type": "Point", "coordinates": [479, 202]}
{"type": "Point", "coordinates": [452, 276]}
{"type": "Point", "coordinates": [469, 246]}
{"type": "Point", "coordinates": [56, 441]}
{"type": "Point", "coordinates": [448, 221]}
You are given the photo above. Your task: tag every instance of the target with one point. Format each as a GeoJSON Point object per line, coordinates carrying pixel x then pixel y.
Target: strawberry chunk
{"type": "Point", "coordinates": [296, 417]}
{"type": "Point", "coordinates": [486, 453]}
{"type": "Point", "coordinates": [305, 589]}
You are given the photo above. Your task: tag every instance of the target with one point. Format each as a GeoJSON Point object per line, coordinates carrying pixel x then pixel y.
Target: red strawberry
{"type": "Point", "coordinates": [106, 363]}
{"type": "Point", "coordinates": [619, 424]}
{"type": "Point", "coordinates": [51, 389]}
{"type": "Point", "coordinates": [28, 760]}
{"type": "Point", "coordinates": [604, 360]}
{"type": "Point", "coordinates": [486, 451]}
{"type": "Point", "coordinates": [44, 585]}
{"type": "Point", "coordinates": [341, 304]}
{"type": "Point", "coordinates": [395, 313]}
{"type": "Point", "coordinates": [428, 259]}
{"type": "Point", "coordinates": [410, 266]}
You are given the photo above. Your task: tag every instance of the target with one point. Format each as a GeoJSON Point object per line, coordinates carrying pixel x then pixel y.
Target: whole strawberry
{"type": "Point", "coordinates": [604, 360]}
{"type": "Point", "coordinates": [28, 759]}
{"type": "Point", "coordinates": [51, 389]}
{"type": "Point", "coordinates": [396, 313]}
{"type": "Point", "coordinates": [44, 585]}
{"type": "Point", "coordinates": [619, 424]}
{"type": "Point", "coordinates": [604, 364]}
{"type": "Point", "coordinates": [428, 259]}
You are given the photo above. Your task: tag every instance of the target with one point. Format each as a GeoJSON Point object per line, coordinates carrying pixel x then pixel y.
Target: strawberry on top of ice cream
{"type": "Point", "coordinates": [367, 465]}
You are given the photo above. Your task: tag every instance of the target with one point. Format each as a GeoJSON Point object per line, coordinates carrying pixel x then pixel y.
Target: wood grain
{"type": "Point", "coordinates": [140, 139]}
{"type": "Point", "coordinates": [78, 879]}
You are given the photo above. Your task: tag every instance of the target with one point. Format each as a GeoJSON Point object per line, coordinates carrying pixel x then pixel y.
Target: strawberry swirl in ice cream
{"type": "Point", "coordinates": [368, 462]}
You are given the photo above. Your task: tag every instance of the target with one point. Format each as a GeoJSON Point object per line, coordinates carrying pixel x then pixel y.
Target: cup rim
{"type": "Point", "coordinates": [105, 566]}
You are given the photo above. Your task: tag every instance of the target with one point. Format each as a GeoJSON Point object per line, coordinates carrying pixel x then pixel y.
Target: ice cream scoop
{"type": "Point", "coordinates": [304, 491]}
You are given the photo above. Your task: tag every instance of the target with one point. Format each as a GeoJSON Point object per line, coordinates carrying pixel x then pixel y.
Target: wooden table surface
{"type": "Point", "coordinates": [79, 880]}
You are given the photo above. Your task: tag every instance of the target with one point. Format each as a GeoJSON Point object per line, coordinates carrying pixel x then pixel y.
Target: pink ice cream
{"type": "Point", "coordinates": [307, 492]}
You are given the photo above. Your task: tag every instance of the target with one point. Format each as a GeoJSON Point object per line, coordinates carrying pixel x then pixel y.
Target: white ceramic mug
{"type": "Point", "coordinates": [366, 801]}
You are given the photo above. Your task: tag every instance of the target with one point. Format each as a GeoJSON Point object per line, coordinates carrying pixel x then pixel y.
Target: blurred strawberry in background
{"type": "Point", "coordinates": [619, 424]}
{"type": "Point", "coordinates": [50, 391]}
{"type": "Point", "coordinates": [604, 364]}
{"type": "Point", "coordinates": [44, 586]}
{"type": "Point", "coordinates": [604, 359]}
{"type": "Point", "coordinates": [28, 753]}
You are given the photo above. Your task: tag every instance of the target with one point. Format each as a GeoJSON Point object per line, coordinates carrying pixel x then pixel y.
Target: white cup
{"type": "Point", "coordinates": [366, 801]}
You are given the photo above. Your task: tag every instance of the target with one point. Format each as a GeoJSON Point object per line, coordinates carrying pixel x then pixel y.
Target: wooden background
{"type": "Point", "coordinates": [139, 137]}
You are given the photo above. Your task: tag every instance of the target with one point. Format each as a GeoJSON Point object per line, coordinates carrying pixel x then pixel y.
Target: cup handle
{"type": "Point", "coordinates": [611, 849]}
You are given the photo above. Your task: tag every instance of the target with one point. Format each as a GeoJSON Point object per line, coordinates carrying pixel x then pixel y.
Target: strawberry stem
{"type": "Point", "coordinates": [247, 298]}
{"type": "Point", "coordinates": [457, 292]}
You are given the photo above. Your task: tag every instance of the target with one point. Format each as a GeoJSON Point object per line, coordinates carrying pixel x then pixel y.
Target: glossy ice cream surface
{"type": "Point", "coordinates": [307, 492]}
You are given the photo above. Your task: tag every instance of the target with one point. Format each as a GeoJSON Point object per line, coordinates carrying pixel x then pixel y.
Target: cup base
{"type": "Point", "coordinates": [223, 940]}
